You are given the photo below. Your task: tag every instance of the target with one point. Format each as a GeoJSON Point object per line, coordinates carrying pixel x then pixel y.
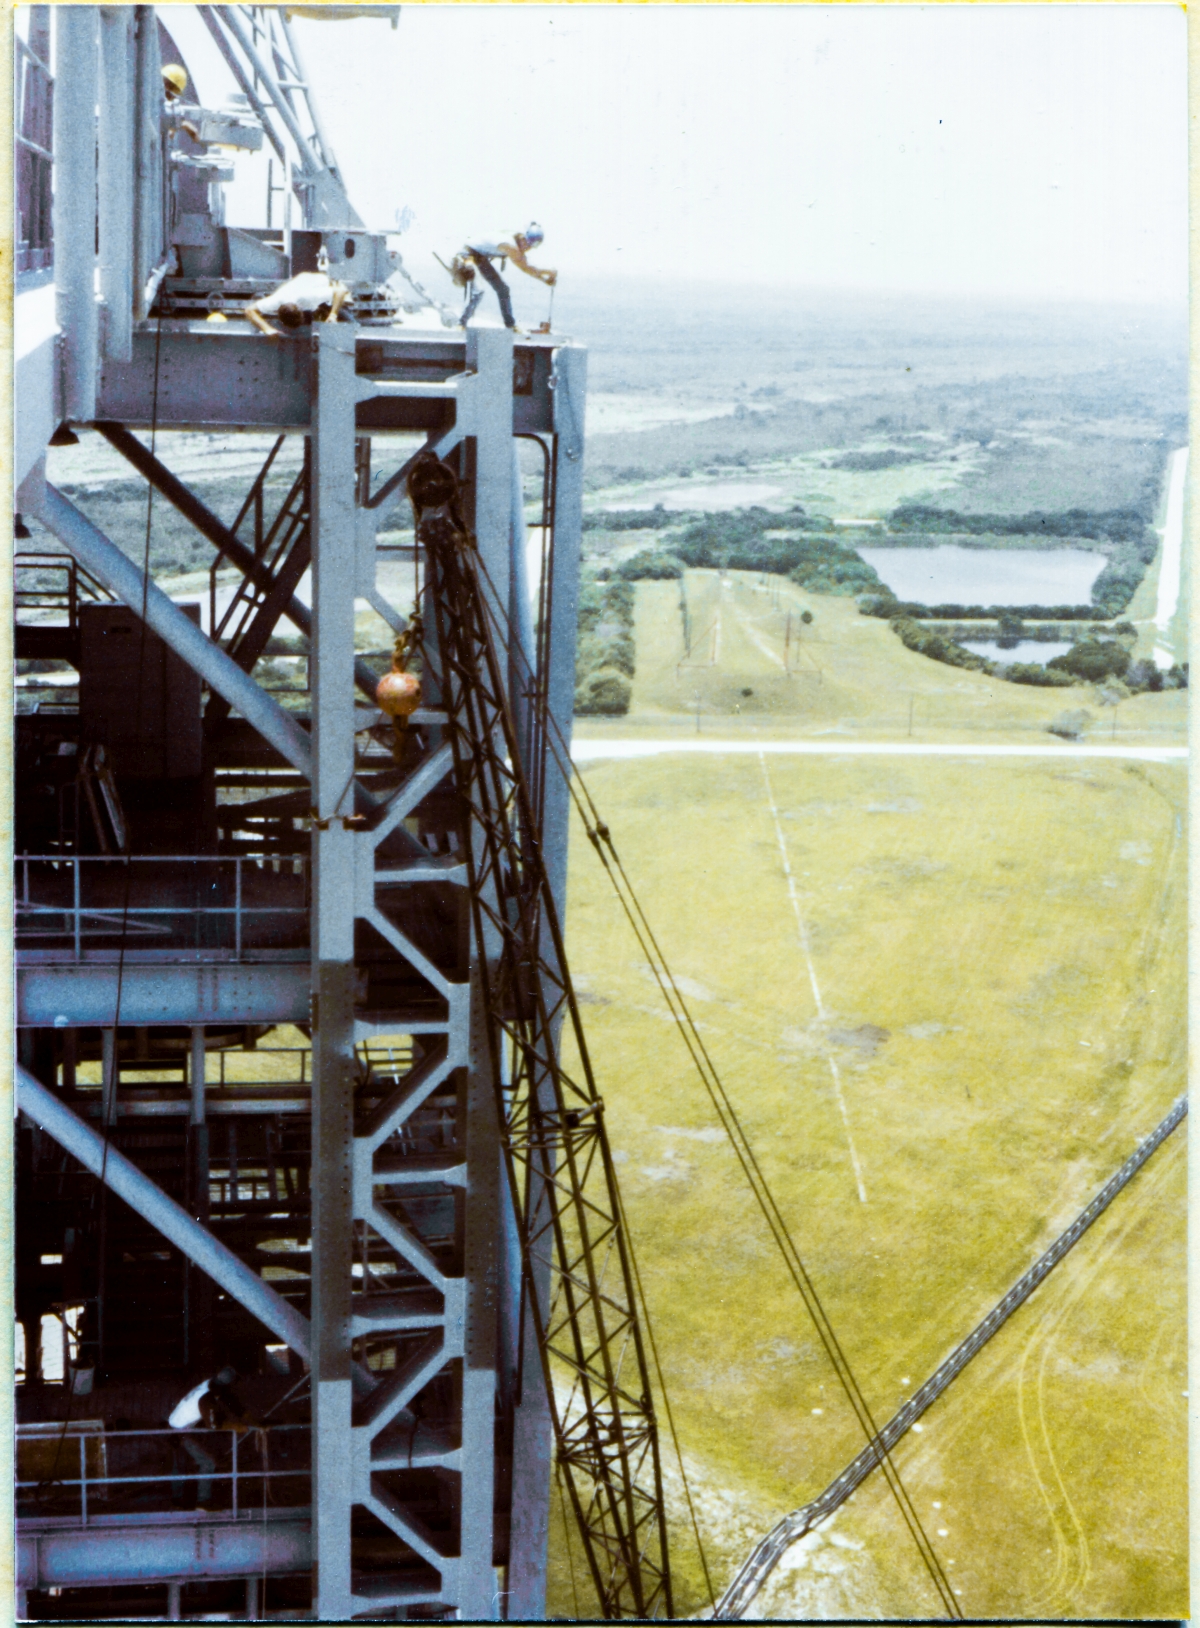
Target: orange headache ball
{"type": "Point", "coordinates": [398, 694]}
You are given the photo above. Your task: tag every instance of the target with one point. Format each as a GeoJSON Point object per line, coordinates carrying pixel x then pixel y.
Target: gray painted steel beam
{"type": "Point", "coordinates": [532, 1446]}
{"type": "Point", "coordinates": [118, 573]}
{"type": "Point", "coordinates": [115, 179]}
{"type": "Point", "coordinates": [167, 1551]}
{"type": "Point", "coordinates": [148, 1199]}
{"type": "Point", "coordinates": [208, 525]}
{"type": "Point", "coordinates": [228, 375]}
{"type": "Point", "coordinates": [333, 865]}
{"type": "Point", "coordinates": [244, 82]}
{"type": "Point", "coordinates": [83, 995]}
{"type": "Point", "coordinates": [75, 205]}
{"type": "Point", "coordinates": [325, 200]}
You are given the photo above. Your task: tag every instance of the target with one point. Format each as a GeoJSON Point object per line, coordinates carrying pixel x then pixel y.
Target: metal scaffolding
{"type": "Point", "coordinates": [199, 859]}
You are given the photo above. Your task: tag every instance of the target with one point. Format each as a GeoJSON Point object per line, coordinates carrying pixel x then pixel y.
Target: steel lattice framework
{"type": "Point", "coordinates": [577, 1265]}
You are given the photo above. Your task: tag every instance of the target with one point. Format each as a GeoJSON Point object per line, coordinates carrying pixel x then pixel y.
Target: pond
{"type": "Point", "coordinates": [1023, 650]}
{"type": "Point", "coordinates": [953, 575]}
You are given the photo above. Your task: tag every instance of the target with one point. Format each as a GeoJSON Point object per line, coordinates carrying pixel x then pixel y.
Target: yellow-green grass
{"type": "Point", "coordinates": [1087, 1531]}
{"type": "Point", "coordinates": [846, 674]}
{"type": "Point", "coordinates": [808, 479]}
{"type": "Point", "coordinates": [1017, 930]}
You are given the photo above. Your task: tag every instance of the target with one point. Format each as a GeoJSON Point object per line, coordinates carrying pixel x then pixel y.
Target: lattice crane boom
{"type": "Point", "coordinates": [577, 1268]}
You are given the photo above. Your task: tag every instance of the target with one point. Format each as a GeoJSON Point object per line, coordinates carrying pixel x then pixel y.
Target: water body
{"type": "Point", "coordinates": [1023, 650]}
{"type": "Point", "coordinates": [952, 575]}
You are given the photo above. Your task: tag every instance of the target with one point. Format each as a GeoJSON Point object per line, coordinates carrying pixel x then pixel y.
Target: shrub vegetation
{"type": "Point", "coordinates": [605, 658]}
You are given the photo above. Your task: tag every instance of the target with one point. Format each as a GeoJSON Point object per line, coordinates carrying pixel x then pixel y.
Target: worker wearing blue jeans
{"type": "Point", "coordinates": [206, 1404]}
{"type": "Point", "coordinates": [478, 257]}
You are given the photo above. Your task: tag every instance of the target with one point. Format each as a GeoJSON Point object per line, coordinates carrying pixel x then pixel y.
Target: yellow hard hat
{"type": "Point", "coordinates": [175, 77]}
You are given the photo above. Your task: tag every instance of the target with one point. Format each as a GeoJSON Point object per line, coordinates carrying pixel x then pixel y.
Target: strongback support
{"type": "Point", "coordinates": [462, 1336]}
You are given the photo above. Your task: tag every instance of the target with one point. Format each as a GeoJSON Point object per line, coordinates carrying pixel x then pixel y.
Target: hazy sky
{"type": "Point", "coordinates": [1020, 149]}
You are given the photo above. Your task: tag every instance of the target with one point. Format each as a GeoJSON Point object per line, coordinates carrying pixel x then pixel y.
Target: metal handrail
{"type": "Point", "coordinates": [26, 50]}
{"type": "Point", "coordinates": [57, 598]}
{"type": "Point", "coordinates": [236, 1476]}
{"type": "Point", "coordinates": [103, 921]}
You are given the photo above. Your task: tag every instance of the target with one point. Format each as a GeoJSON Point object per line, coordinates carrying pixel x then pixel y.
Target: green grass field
{"type": "Point", "coordinates": [846, 674]}
{"type": "Point", "coordinates": [999, 953]}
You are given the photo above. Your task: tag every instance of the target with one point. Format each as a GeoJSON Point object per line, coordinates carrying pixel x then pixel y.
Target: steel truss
{"type": "Point", "coordinates": [577, 1267]}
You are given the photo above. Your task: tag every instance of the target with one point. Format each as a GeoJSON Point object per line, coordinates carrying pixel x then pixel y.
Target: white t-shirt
{"type": "Point", "coordinates": [307, 291]}
{"type": "Point", "coordinates": [187, 1412]}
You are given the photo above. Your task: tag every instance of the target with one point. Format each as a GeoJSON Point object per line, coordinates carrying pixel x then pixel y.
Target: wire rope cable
{"type": "Point", "coordinates": [538, 694]}
{"type": "Point", "coordinates": [601, 839]}
{"type": "Point", "coordinates": [662, 1385]}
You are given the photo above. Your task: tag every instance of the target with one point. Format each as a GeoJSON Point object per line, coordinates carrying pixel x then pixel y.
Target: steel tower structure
{"type": "Point", "coordinates": [364, 1234]}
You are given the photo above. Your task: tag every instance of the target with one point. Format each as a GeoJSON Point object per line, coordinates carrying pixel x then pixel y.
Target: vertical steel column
{"type": "Point", "coordinates": [116, 179]}
{"type": "Point", "coordinates": [75, 205]}
{"type": "Point", "coordinates": [200, 1294]}
{"type": "Point", "coordinates": [477, 1585]}
{"type": "Point", "coordinates": [490, 358]}
{"type": "Point", "coordinates": [522, 664]}
{"type": "Point", "coordinates": [532, 1436]}
{"type": "Point", "coordinates": [148, 202]}
{"type": "Point", "coordinates": [199, 1123]}
{"type": "Point", "coordinates": [570, 389]}
{"type": "Point", "coordinates": [332, 680]}
{"type": "Point", "coordinates": [109, 1075]}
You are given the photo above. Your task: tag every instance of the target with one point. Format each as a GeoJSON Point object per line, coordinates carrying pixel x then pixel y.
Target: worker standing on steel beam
{"type": "Point", "coordinates": [478, 257]}
{"type": "Point", "coordinates": [213, 1405]}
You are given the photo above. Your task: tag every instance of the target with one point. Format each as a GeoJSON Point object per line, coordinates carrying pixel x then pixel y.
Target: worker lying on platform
{"type": "Point", "coordinates": [478, 257]}
{"type": "Point", "coordinates": [310, 296]}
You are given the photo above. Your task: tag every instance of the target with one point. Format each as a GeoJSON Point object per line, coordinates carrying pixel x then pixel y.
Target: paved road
{"type": "Point", "coordinates": [1172, 552]}
{"type": "Point", "coordinates": [587, 751]}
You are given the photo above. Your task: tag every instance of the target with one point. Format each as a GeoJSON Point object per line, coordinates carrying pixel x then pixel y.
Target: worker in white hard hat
{"type": "Point", "coordinates": [478, 257]}
{"type": "Point", "coordinates": [310, 296]}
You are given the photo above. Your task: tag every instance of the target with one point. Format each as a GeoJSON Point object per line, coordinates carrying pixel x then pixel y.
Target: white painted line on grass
{"type": "Point", "coordinates": [584, 751]}
{"type": "Point", "coordinates": [806, 946]}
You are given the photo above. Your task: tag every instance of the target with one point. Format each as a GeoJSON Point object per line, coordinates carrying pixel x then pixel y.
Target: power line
{"type": "Point", "coordinates": [766, 1555]}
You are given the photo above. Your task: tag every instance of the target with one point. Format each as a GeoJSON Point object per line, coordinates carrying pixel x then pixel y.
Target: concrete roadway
{"type": "Point", "coordinates": [589, 750]}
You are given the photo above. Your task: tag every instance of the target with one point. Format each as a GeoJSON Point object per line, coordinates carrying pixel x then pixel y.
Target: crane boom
{"type": "Point", "coordinates": [577, 1266]}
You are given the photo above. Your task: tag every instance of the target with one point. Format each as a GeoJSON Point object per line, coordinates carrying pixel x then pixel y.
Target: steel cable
{"type": "Point", "coordinates": [601, 839]}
